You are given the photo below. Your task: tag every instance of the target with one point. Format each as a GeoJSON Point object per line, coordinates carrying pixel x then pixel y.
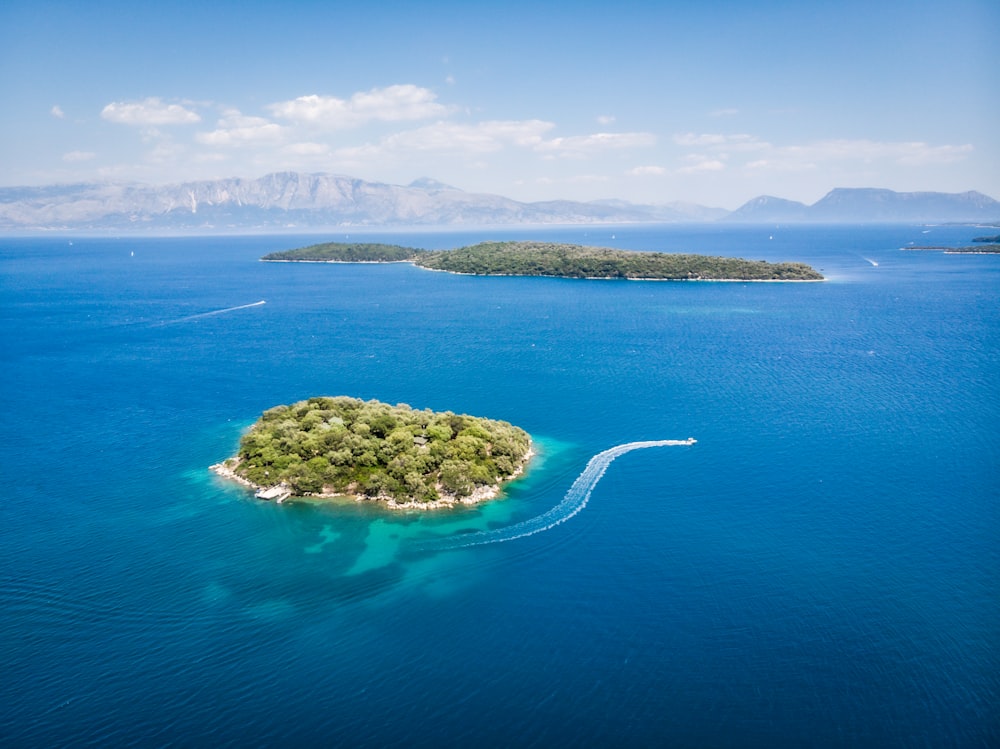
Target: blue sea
{"type": "Point", "coordinates": [820, 569]}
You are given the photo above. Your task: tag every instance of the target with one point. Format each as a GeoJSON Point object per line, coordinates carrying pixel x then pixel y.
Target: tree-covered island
{"type": "Point", "coordinates": [347, 447]}
{"type": "Point", "coordinates": [558, 260]}
{"type": "Point", "coordinates": [347, 252]}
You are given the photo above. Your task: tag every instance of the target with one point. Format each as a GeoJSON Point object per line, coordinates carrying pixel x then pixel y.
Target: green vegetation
{"type": "Point", "coordinates": [560, 260]}
{"type": "Point", "coordinates": [993, 240]}
{"type": "Point", "coordinates": [347, 253]}
{"type": "Point", "coordinates": [346, 446]}
{"type": "Point", "coordinates": [575, 261]}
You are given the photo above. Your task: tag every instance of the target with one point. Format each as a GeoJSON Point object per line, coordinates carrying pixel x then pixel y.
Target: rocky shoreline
{"type": "Point", "coordinates": [227, 470]}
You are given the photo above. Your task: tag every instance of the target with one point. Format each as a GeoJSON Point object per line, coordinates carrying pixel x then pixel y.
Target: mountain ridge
{"type": "Point", "coordinates": [872, 205]}
{"type": "Point", "coordinates": [299, 201]}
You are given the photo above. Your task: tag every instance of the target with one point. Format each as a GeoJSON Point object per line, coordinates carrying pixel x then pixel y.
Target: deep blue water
{"type": "Point", "coordinates": [820, 569]}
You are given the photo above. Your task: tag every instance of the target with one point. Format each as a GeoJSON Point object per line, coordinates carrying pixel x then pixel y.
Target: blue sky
{"type": "Point", "coordinates": [709, 102]}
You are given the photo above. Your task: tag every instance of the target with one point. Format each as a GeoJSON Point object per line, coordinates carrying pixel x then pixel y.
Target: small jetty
{"type": "Point", "coordinates": [278, 493]}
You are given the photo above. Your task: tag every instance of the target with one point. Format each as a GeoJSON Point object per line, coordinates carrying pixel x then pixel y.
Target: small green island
{"type": "Point", "coordinates": [343, 447]}
{"type": "Point", "coordinates": [556, 260]}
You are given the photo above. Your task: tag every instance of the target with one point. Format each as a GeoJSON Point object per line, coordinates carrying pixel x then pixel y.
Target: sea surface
{"type": "Point", "coordinates": [819, 569]}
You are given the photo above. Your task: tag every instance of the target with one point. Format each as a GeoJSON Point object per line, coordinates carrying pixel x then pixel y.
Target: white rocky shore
{"type": "Point", "coordinates": [227, 470]}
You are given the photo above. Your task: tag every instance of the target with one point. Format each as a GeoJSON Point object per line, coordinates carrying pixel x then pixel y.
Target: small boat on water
{"type": "Point", "coordinates": [278, 493]}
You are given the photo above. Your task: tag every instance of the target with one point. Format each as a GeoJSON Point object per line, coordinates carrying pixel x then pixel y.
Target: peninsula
{"type": "Point", "coordinates": [557, 260]}
{"type": "Point", "coordinates": [346, 447]}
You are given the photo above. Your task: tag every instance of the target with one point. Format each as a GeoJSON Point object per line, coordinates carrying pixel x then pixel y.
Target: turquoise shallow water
{"type": "Point", "coordinates": [820, 569]}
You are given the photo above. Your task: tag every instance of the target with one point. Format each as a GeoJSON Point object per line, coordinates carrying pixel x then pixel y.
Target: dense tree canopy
{"type": "Point", "coordinates": [348, 446]}
{"type": "Point", "coordinates": [561, 260]}
{"type": "Point", "coordinates": [989, 249]}
{"type": "Point", "coordinates": [575, 261]}
{"type": "Point", "coordinates": [347, 252]}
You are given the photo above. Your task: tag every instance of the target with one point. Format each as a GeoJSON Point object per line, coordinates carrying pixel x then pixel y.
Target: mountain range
{"type": "Point", "coordinates": [870, 205]}
{"type": "Point", "coordinates": [295, 201]}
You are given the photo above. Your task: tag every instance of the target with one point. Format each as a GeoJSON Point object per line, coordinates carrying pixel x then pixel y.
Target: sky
{"type": "Point", "coordinates": [709, 101]}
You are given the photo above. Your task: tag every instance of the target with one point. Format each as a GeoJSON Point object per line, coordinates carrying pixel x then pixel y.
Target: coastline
{"type": "Point", "coordinates": [341, 262]}
{"type": "Point", "coordinates": [592, 278]}
{"type": "Point", "coordinates": [565, 261]}
{"type": "Point", "coordinates": [446, 501]}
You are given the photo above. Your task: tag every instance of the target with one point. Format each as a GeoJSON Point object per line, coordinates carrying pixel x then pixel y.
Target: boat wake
{"type": "Point", "coordinates": [189, 318]}
{"type": "Point", "coordinates": [574, 501]}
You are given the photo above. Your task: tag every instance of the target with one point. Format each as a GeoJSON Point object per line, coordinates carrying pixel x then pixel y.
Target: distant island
{"type": "Point", "coordinates": [982, 249]}
{"type": "Point", "coordinates": [556, 260]}
{"type": "Point", "coordinates": [346, 447]}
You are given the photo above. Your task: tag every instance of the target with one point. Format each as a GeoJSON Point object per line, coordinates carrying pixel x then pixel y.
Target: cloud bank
{"type": "Point", "coordinates": [150, 111]}
{"type": "Point", "coordinates": [401, 131]}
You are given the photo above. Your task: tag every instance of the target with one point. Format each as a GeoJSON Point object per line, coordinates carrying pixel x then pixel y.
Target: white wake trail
{"type": "Point", "coordinates": [214, 312]}
{"type": "Point", "coordinates": [574, 501]}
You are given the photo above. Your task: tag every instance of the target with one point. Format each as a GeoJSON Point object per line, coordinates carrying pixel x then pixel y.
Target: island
{"type": "Point", "coordinates": [982, 249]}
{"type": "Point", "coordinates": [346, 252]}
{"type": "Point", "coordinates": [343, 447]}
{"type": "Point", "coordinates": [528, 258]}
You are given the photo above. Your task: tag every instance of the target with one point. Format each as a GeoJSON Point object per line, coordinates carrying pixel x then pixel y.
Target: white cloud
{"type": "Point", "coordinates": [808, 156]}
{"type": "Point", "coordinates": [165, 152]}
{"type": "Point", "coordinates": [700, 164]}
{"type": "Point", "coordinates": [79, 156]}
{"type": "Point", "coordinates": [740, 140]}
{"type": "Point", "coordinates": [150, 111]}
{"type": "Point", "coordinates": [57, 112]}
{"type": "Point", "coordinates": [236, 129]}
{"type": "Point", "coordinates": [482, 137]}
{"type": "Point", "coordinates": [580, 145]}
{"type": "Point", "coordinates": [606, 119]}
{"type": "Point", "coordinates": [390, 104]}
{"type": "Point", "coordinates": [645, 171]}
{"type": "Point", "coordinates": [918, 154]}
{"type": "Point", "coordinates": [728, 112]}
{"type": "Point", "coordinates": [306, 149]}
{"type": "Point", "coordinates": [780, 165]}
{"type": "Point", "coordinates": [717, 150]}
{"type": "Point", "coordinates": [908, 153]}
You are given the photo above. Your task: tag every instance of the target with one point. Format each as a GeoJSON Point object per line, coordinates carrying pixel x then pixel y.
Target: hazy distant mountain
{"type": "Point", "coordinates": [770, 209]}
{"type": "Point", "coordinates": [296, 201]}
{"type": "Point", "coordinates": [292, 200]}
{"type": "Point", "coordinates": [673, 211]}
{"type": "Point", "coordinates": [429, 183]}
{"type": "Point", "coordinates": [865, 205]}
